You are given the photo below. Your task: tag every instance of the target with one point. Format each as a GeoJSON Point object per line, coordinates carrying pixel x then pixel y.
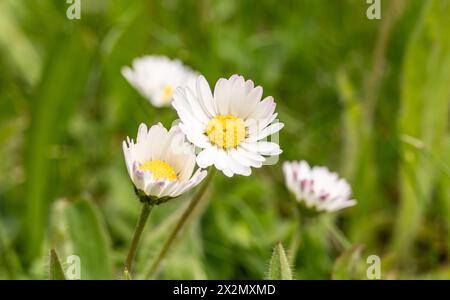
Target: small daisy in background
{"type": "Point", "coordinates": [230, 125]}
{"type": "Point", "coordinates": [156, 77]}
{"type": "Point", "coordinates": [161, 163]}
{"type": "Point", "coordinates": [317, 187]}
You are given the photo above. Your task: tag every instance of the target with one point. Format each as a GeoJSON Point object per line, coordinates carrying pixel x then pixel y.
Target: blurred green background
{"type": "Point", "coordinates": [367, 98]}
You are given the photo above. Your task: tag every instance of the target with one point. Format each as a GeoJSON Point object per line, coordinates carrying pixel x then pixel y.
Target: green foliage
{"type": "Point", "coordinates": [18, 47]}
{"type": "Point", "coordinates": [63, 81]}
{"type": "Point", "coordinates": [349, 265]}
{"type": "Point", "coordinates": [367, 98]}
{"type": "Point", "coordinates": [56, 271]}
{"type": "Point", "coordinates": [126, 275]}
{"type": "Point", "coordinates": [9, 262]}
{"type": "Point", "coordinates": [90, 241]}
{"type": "Point", "coordinates": [424, 116]}
{"type": "Point", "coordinates": [279, 268]}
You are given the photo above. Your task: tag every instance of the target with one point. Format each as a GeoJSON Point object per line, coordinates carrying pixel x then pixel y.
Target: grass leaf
{"type": "Point", "coordinates": [279, 268]}
{"type": "Point", "coordinates": [56, 271]}
{"type": "Point", "coordinates": [90, 240]}
{"type": "Point", "coordinates": [424, 116]}
{"type": "Point", "coordinates": [63, 81]}
{"type": "Point", "coordinates": [348, 264]}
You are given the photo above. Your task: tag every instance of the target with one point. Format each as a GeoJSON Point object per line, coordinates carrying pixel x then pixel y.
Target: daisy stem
{"type": "Point", "coordinates": [337, 234]}
{"type": "Point", "coordinates": [296, 239]}
{"type": "Point", "coordinates": [195, 201]}
{"type": "Point", "coordinates": [145, 212]}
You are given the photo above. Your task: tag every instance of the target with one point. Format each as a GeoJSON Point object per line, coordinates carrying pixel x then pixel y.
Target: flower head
{"type": "Point", "coordinates": [317, 187]}
{"type": "Point", "coordinates": [156, 78]}
{"type": "Point", "coordinates": [161, 163]}
{"type": "Point", "coordinates": [229, 125]}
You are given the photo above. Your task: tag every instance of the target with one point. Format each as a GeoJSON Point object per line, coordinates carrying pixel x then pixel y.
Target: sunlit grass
{"type": "Point", "coordinates": [65, 109]}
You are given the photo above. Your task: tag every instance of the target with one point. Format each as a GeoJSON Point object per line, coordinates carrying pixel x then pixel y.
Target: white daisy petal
{"type": "Point", "coordinates": [343, 204]}
{"type": "Point", "coordinates": [237, 94]}
{"type": "Point", "coordinates": [262, 147]}
{"type": "Point", "coordinates": [197, 107]}
{"type": "Point", "coordinates": [187, 169]}
{"type": "Point", "coordinates": [187, 117]}
{"type": "Point", "coordinates": [255, 158]}
{"type": "Point", "coordinates": [142, 133]}
{"type": "Point", "coordinates": [229, 125]}
{"type": "Point", "coordinates": [161, 163]}
{"type": "Point", "coordinates": [165, 186]}
{"type": "Point", "coordinates": [156, 78]}
{"type": "Point", "coordinates": [274, 128]}
{"type": "Point", "coordinates": [138, 176]}
{"type": "Point", "coordinates": [264, 109]}
{"type": "Point", "coordinates": [206, 157]}
{"type": "Point", "coordinates": [249, 85]}
{"type": "Point", "coordinates": [251, 101]}
{"type": "Point", "coordinates": [222, 96]}
{"type": "Point", "coordinates": [254, 126]}
{"type": "Point", "coordinates": [126, 154]}
{"type": "Point", "coordinates": [160, 139]}
{"type": "Point", "coordinates": [221, 160]}
{"type": "Point", "coordinates": [234, 166]}
{"type": "Point", "coordinates": [239, 165]}
{"type": "Point", "coordinates": [204, 92]}
{"type": "Point", "coordinates": [154, 188]}
{"type": "Point", "coordinates": [193, 182]}
{"type": "Point", "coordinates": [228, 172]}
{"type": "Point", "coordinates": [187, 106]}
{"type": "Point", "coordinates": [195, 137]}
{"type": "Point", "coordinates": [148, 146]}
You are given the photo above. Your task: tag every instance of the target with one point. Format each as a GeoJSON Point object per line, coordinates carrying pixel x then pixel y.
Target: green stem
{"type": "Point", "coordinates": [338, 236]}
{"type": "Point", "coordinates": [305, 217]}
{"type": "Point", "coordinates": [145, 212]}
{"type": "Point", "coordinates": [196, 200]}
{"type": "Point", "coordinates": [295, 241]}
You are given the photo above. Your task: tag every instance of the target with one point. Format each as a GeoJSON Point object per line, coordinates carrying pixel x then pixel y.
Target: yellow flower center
{"type": "Point", "coordinates": [167, 93]}
{"type": "Point", "coordinates": [226, 131]}
{"type": "Point", "coordinates": [159, 169]}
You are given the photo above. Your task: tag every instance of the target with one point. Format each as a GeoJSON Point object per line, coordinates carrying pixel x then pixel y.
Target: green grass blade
{"type": "Point", "coordinates": [19, 49]}
{"type": "Point", "coordinates": [89, 239]}
{"type": "Point", "coordinates": [279, 268]}
{"type": "Point", "coordinates": [424, 116]}
{"type": "Point", "coordinates": [56, 271]}
{"type": "Point", "coordinates": [358, 162]}
{"type": "Point", "coordinates": [9, 260]}
{"type": "Point", "coordinates": [349, 265]}
{"type": "Point", "coordinates": [62, 84]}
{"type": "Point", "coordinates": [126, 275]}
{"type": "Point", "coordinates": [444, 193]}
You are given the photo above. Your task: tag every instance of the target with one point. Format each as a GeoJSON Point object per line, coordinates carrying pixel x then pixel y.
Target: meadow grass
{"type": "Point", "coordinates": [348, 89]}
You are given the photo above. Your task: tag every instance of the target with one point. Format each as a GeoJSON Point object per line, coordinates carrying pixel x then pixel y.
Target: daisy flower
{"type": "Point", "coordinates": [317, 187]}
{"type": "Point", "coordinates": [161, 163]}
{"type": "Point", "coordinates": [156, 78]}
{"type": "Point", "coordinates": [229, 125]}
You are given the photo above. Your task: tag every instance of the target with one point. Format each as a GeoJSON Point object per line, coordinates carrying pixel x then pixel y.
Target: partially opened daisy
{"type": "Point", "coordinates": [156, 77]}
{"type": "Point", "coordinates": [230, 125]}
{"type": "Point", "coordinates": [161, 163]}
{"type": "Point", "coordinates": [161, 166]}
{"type": "Point", "coordinates": [317, 187]}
